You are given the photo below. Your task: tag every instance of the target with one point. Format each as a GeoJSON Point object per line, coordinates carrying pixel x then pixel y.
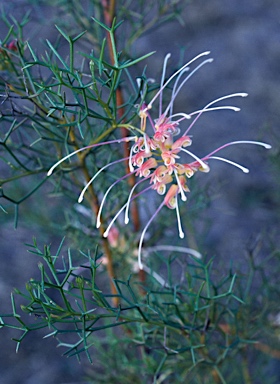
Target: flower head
{"type": "Point", "coordinates": [158, 154]}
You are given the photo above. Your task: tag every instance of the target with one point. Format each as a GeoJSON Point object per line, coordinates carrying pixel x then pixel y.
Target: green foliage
{"type": "Point", "coordinates": [172, 328]}
{"type": "Point", "coordinates": [53, 107]}
{"type": "Point", "coordinates": [185, 322]}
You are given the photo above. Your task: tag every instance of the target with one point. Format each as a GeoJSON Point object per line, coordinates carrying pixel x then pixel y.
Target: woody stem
{"type": "Point", "coordinates": [94, 204]}
{"type": "Point", "coordinates": [109, 14]}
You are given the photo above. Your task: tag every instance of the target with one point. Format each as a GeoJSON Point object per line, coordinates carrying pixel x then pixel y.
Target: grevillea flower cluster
{"type": "Point", "coordinates": [159, 156]}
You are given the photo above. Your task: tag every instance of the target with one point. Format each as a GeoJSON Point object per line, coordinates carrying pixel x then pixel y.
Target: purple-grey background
{"type": "Point", "coordinates": [244, 40]}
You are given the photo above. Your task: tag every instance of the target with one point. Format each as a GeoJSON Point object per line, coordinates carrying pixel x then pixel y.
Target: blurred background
{"type": "Point", "coordinates": [244, 40]}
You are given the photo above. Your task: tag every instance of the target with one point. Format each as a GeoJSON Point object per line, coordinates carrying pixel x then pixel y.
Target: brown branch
{"type": "Point", "coordinates": [94, 204]}
{"type": "Point", "coordinates": [274, 353]}
{"type": "Point", "coordinates": [109, 14]}
{"type": "Point", "coordinates": [109, 9]}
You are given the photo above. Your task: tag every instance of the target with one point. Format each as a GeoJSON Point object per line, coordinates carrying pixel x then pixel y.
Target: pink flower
{"type": "Point", "coordinates": [171, 196]}
{"type": "Point", "coordinates": [113, 237]}
{"type": "Point", "coordinates": [12, 46]}
{"type": "Point", "coordinates": [145, 169]}
{"type": "Point", "coordinates": [156, 156]}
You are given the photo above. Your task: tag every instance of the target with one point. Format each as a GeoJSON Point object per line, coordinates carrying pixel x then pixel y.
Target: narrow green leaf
{"type": "Point", "coordinates": [8, 35]}
{"type": "Point", "coordinates": [101, 24]}
{"type": "Point", "coordinates": [32, 52]}
{"type": "Point", "coordinates": [130, 63]}
{"type": "Point", "coordinates": [100, 66]}
{"type": "Point", "coordinates": [63, 33]}
{"type": "Point", "coordinates": [57, 55]}
{"type": "Point", "coordinates": [79, 36]}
